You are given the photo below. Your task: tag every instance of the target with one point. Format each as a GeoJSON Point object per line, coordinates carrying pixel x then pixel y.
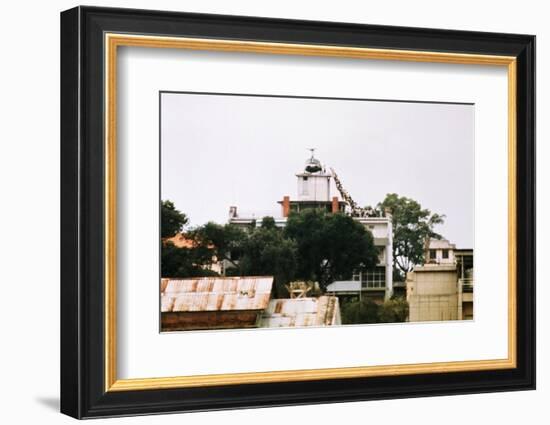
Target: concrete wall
{"type": "Point", "coordinates": [438, 246]}
{"type": "Point", "coordinates": [467, 305]}
{"type": "Point", "coordinates": [314, 187]}
{"type": "Point", "coordinates": [433, 294]}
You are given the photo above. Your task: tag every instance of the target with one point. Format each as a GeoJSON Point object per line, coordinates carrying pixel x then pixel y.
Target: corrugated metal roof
{"type": "Point", "coordinates": [322, 311]}
{"type": "Point", "coordinates": [344, 286]}
{"type": "Point", "coordinates": [215, 294]}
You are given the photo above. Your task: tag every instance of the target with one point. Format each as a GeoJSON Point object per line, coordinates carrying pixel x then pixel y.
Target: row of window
{"type": "Point", "coordinates": [372, 279]}
{"type": "Point", "coordinates": [444, 254]}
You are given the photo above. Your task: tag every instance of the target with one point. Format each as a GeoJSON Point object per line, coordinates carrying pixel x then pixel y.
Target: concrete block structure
{"type": "Point", "coordinates": [432, 293]}
{"type": "Point", "coordinates": [442, 291]}
{"type": "Point", "coordinates": [440, 251]}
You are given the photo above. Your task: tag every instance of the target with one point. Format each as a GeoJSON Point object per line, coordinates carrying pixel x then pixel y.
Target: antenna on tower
{"type": "Point", "coordinates": [313, 165]}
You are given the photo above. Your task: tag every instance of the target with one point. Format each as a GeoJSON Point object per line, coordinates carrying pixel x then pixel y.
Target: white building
{"type": "Point", "coordinates": [314, 192]}
{"type": "Point", "coordinates": [440, 251]}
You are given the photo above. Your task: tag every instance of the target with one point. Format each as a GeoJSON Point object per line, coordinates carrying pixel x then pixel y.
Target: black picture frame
{"type": "Point", "coordinates": [83, 392]}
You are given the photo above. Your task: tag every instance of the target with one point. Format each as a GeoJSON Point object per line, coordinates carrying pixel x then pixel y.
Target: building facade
{"type": "Point", "coordinates": [440, 251]}
{"type": "Point", "coordinates": [433, 293]}
{"type": "Point", "coordinates": [314, 185]}
{"type": "Point", "coordinates": [442, 288]}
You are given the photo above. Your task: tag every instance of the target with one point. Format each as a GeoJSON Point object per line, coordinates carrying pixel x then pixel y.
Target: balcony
{"type": "Point", "coordinates": [467, 284]}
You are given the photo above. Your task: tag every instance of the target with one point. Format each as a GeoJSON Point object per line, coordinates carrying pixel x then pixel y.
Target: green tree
{"type": "Point", "coordinates": [268, 223]}
{"type": "Point", "coordinates": [175, 262]}
{"type": "Point", "coordinates": [171, 220]}
{"type": "Point", "coordinates": [225, 242]}
{"type": "Point", "coordinates": [412, 227]}
{"type": "Point", "coordinates": [394, 310]}
{"type": "Point", "coordinates": [329, 246]}
{"type": "Point", "coordinates": [181, 261]}
{"type": "Point", "coordinates": [266, 252]}
{"type": "Point", "coordinates": [184, 262]}
{"type": "Point", "coordinates": [359, 312]}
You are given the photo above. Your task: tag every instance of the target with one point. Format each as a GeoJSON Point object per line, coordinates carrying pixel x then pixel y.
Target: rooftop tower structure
{"type": "Point", "coordinates": [313, 190]}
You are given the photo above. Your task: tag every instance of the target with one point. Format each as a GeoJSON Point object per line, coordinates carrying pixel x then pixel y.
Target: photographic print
{"type": "Point", "coordinates": [281, 212]}
{"type": "Point", "coordinates": [302, 187]}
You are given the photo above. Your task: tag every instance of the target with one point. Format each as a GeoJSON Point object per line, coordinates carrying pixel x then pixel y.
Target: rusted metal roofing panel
{"type": "Point", "coordinates": [322, 311]}
{"type": "Point", "coordinates": [167, 303]}
{"type": "Point", "coordinates": [163, 284]}
{"type": "Point", "coordinates": [215, 294]}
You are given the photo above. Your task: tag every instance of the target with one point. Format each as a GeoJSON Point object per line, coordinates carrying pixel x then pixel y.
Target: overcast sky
{"type": "Point", "coordinates": [219, 151]}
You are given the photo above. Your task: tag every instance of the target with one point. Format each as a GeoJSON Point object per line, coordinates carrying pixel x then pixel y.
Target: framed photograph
{"type": "Point", "coordinates": [261, 212]}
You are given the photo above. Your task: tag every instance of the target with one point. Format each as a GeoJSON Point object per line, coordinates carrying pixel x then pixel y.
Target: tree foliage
{"type": "Point", "coordinates": [171, 220]}
{"type": "Point", "coordinates": [314, 246]}
{"type": "Point", "coordinates": [394, 310]}
{"type": "Point", "coordinates": [224, 242]}
{"type": "Point", "coordinates": [412, 227]}
{"type": "Point", "coordinates": [329, 246]}
{"type": "Point", "coordinates": [267, 252]}
{"type": "Point", "coordinates": [184, 262]}
{"type": "Point", "coordinates": [357, 312]}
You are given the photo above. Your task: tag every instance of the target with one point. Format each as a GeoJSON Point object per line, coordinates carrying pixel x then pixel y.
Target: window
{"type": "Point", "coordinates": [374, 279]}
{"type": "Point", "coordinates": [445, 253]}
{"type": "Point", "coordinates": [433, 255]}
{"type": "Point", "coordinates": [305, 186]}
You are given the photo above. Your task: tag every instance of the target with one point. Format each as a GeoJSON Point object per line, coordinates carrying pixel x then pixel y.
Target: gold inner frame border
{"type": "Point", "coordinates": [113, 40]}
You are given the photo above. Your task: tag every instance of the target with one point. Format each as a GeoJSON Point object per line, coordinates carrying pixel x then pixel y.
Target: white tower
{"type": "Point", "coordinates": [314, 181]}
